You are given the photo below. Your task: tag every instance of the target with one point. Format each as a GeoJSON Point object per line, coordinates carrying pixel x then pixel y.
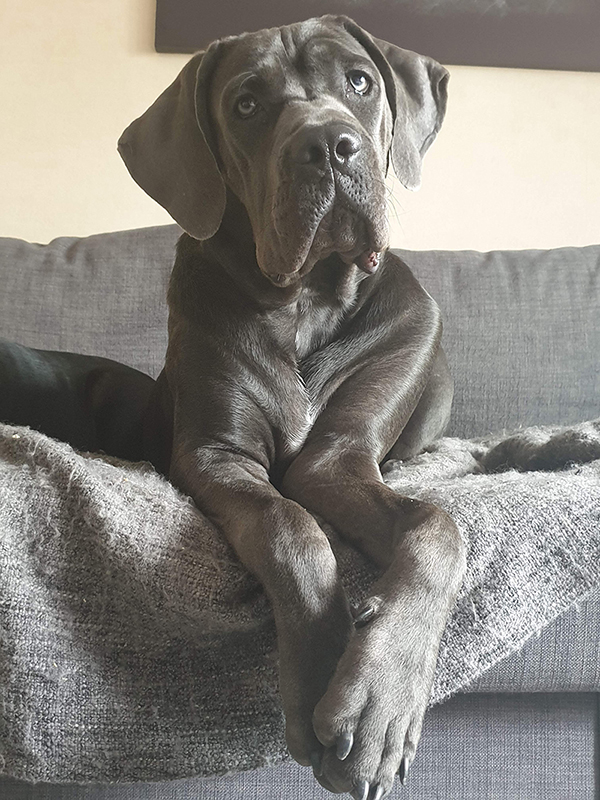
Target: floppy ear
{"type": "Point", "coordinates": [417, 90]}
{"type": "Point", "coordinates": [167, 153]}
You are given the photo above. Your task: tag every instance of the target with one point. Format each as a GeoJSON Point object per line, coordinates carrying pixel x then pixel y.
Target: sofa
{"type": "Point", "coordinates": [522, 335]}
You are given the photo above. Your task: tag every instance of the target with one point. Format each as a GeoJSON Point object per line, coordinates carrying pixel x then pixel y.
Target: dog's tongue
{"type": "Point", "coordinates": [368, 261]}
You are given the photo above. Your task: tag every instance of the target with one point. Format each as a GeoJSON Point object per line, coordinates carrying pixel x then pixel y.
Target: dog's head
{"type": "Point", "coordinates": [300, 123]}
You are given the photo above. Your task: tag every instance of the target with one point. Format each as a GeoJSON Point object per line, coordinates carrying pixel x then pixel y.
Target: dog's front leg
{"type": "Point", "coordinates": [370, 717]}
{"type": "Point", "coordinates": [290, 555]}
{"type": "Point", "coordinates": [372, 712]}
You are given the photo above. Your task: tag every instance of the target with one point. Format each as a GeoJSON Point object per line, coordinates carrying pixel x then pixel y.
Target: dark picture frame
{"type": "Point", "coordinates": [536, 34]}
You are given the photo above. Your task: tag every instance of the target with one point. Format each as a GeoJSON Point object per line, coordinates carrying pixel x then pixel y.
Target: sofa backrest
{"type": "Point", "coordinates": [522, 328]}
{"type": "Point", "coordinates": [102, 295]}
{"type": "Point", "coordinates": [522, 334]}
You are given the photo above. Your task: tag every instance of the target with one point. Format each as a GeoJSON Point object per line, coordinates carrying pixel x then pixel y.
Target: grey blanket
{"type": "Point", "coordinates": [134, 646]}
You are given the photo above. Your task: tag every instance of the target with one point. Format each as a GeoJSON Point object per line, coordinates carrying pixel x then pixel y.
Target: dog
{"type": "Point", "coordinates": [302, 354]}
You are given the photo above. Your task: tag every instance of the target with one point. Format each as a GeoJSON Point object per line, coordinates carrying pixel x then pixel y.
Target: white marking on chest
{"type": "Point", "coordinates": [299, 429]}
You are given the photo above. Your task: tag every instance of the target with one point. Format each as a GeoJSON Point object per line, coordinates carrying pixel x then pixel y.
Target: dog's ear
{"type": "Point", "coordinates": [168, 155]}
{"type": "Point", "coordinates": [417, 91]}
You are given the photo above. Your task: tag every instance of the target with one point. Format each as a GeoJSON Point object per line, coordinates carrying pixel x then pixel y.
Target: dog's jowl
{"type": "Point", "coordinates": [302, 354]}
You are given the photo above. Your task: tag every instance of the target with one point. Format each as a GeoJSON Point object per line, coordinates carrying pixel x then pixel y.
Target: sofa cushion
{"type": "Point", "coordinates": [564, 657]}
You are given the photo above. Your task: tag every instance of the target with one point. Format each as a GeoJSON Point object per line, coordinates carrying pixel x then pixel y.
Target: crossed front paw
{"type": "Point", "coordinates": [369, 719]}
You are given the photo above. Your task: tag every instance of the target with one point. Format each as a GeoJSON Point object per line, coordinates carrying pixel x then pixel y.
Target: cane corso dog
{"type": "Point", "coordinates": [301, 355]}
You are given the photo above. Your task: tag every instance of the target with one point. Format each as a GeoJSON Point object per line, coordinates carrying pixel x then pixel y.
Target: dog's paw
{"type": "Point", "coordinates": [370, 718]}
{"type": "Point", "coordinates": [308, 657]}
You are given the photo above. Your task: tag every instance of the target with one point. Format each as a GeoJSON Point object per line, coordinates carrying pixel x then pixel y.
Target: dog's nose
{"type": "Point", "coordinates": [316, 146]}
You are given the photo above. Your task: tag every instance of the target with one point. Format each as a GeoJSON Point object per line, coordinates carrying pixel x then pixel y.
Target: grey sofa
{"type": "Point", "coordinates": [522, 332]}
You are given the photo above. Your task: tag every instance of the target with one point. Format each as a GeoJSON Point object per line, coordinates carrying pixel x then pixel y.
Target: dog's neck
{"type": "Point", "coordinates": [306, 314]}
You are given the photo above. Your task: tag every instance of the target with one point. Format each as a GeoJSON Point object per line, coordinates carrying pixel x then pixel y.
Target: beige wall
{"type": "Point", "coordinates": [517, 163]}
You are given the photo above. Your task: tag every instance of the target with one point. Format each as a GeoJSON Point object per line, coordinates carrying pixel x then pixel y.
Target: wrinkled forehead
{"type": "Point", "coordinates": [286, 58]}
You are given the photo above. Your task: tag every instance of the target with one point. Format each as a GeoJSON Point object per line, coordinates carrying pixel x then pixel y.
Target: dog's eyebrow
{"type": "Point", "coordinates": [244, 82]}
{"type": "Point", "coordinates": [247, 78]}
{"type": "Point", "coordinates": [346, 50]}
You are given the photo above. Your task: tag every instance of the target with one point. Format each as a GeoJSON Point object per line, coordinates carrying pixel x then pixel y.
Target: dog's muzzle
{"type": "Point", "coordinates": [329, 199]}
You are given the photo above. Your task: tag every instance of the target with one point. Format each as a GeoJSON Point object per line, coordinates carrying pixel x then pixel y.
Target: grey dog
{"type": "Point", "coordinates": [301, 355]}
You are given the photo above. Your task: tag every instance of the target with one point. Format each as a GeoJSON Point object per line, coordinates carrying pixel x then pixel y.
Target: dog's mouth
{"type": "Point", "coordinates": [367, 261]}
{"type": "Point", "coordinates": [356, 239]}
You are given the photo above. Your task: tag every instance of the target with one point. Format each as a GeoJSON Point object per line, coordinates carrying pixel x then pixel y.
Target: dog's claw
{"type": "Point", "coordinates": [403, 771]}
{"type": "Point", "coordinates": [377, 792]}
{"type": "Point", "coordinates": [360, 791]}
{"type": "Point", "coordinates": [344, 745]}
{"type": "Point", "coordinates": [363, 616]}
{"type": "Point", "coordinates": [316, 760]}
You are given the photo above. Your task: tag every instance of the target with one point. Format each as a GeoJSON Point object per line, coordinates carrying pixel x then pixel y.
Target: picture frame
{"type": "Point", "coordinates": [534, 34]}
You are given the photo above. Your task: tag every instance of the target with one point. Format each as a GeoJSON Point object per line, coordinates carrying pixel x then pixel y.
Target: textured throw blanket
{"type": "Point", "coordinates": [134, 646]}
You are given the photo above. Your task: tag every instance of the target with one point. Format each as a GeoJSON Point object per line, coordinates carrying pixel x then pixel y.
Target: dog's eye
{"type": "Point", "coordinates": [246, 106]}
{"type": "Point", "coordinates": [360, 82]}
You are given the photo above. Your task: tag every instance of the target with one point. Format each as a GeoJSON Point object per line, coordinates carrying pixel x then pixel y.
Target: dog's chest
{"type": "Point", "coordinates": [316, 323]}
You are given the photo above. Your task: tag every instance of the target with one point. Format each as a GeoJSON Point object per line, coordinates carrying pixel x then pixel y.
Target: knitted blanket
{"type": "Point", "coordinates": [135, 647]}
